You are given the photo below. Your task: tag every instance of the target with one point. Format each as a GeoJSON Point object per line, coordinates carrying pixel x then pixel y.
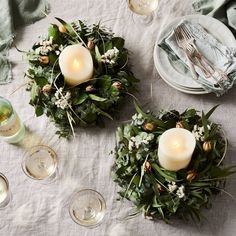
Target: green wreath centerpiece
{"type": "Point", "coordinates": [160, 193]}
{"type": "Point", "coordinates": [85, 103]}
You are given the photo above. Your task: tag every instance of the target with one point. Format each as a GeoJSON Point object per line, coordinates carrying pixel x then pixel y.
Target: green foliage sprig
{"type": "Point", "coordinates": [163, 194]}
{"type": "Point", "coordinates": [87, 103]}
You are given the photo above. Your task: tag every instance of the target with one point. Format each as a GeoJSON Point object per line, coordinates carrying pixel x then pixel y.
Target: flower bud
{"type": "Point", "coordinates": [191, 175]}
{"type": "Point", "coordinates": [207, 146]}
{"type": "Point", "coordinates": [62, 28]}
{"type": "Point", "coordinates": [147, 216]}
{"type": "Point", "coordinates": [89, 88]}
{"type": "Point", "coordinates": [147, 167]}
{"type": "Point", "coordinates": [148, 126]}
{"type": "Point", "coordinates": [90, 44]}
{"type": "Point", "coordinates": [47, 88]}
{"type": "Point", "coordinates": [160, 188]}
{"type": "Point", "coordinates": [179, 124]}
{"type": "Point", "coordinates": [44, 60]}
{"type": "Point", "coordinates": [117, 85]}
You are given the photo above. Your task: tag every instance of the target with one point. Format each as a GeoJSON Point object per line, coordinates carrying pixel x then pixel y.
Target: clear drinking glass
{"type": "Point", "coordinates": [12, 129]}
{"type": "Point", "coordinates": [144, 8]}
{"type": "Point", "coordinates": [5, 195]}
{"type": "Point", "coordinates": [40, 163]}
{"type": "Point", "coordinates": [87, 208]}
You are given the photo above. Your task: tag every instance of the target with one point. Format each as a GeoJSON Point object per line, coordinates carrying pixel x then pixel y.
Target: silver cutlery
{"type": "Point", "coordinates": [182, 44]}
{"type": "Point", "coordinates": [216, 73]}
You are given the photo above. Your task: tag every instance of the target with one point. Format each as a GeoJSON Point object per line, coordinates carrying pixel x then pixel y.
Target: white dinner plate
{"type": "Point", "coordinates": [175, 78]}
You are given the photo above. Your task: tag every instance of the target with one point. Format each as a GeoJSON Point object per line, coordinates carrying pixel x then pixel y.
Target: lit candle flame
{"type": "Point", "coordinates": [176, 144]}
{"type": "Point", "coordinates": [76, 64]}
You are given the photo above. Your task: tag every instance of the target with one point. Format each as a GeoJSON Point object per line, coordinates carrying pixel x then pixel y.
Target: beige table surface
{"type": "Point", "coordinates": [41, 210]}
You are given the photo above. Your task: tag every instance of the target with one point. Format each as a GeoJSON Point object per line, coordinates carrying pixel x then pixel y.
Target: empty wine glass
{"type": "Point", "coordinates": [40, 163]}
{"type": "Point", "coordinates": [5, 195]}
{"type": "Point", "coordinates": [87, 208]}
{"type": "Point", "coordinates": [144, 8]}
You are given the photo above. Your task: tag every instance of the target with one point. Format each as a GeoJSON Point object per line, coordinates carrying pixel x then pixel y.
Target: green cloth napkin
{"type": "Point", "coordinates": [223, 10]}
{"type": "Point", "coordinates": [15, 13]}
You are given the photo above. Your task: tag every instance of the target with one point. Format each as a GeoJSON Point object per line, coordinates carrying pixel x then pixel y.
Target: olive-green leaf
{"type": "Point", "coordinates": [80, 99]}
{"type": "Point", "coordinates": [98, 55]}
{"type": "Point", "coordinates": [167, 175]}
{"type": "Point", "coordinates": [97, 98]}
{"type": "Point", "coordinates": [209, 113]}
{"type": "Point", "coordinates": [67, 26]}
{"type": "Point", "coordinates": [100, 111]}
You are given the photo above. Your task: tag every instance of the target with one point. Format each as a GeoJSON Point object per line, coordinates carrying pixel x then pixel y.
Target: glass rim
{"type": "Point", "coordinates": [7, 199]}
{"type": "Point", "coordinates": [29, 152]}
{"type": "Point", "coordinates": [100, 197]}
{"type": "Point", "coordinates": [223, 133]}
{"type": "Point", "coordinates": [11, 117]}
{"type": "Point", "coordinates": [5, 179]}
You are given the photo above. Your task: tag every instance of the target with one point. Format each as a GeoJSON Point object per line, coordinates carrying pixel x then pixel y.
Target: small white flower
{"type": "Point", "coordinates": [172, 187]}
{"type": "Point", "coordinates": [61, 47]}
{"type": "Point", "coordinates": [110, 56]}
{"type": "Point", "coordinates": [58, 93]}
{"type": "Point", "coordinates": [141, 138]}
{"type": "Point", "coordinates": [63, 100]}
{"type": "Point", "coordinates": [137, 119]}
{"type": "Point", "coordinates": [46, 46]}
{"type": "Point", "coordinates": [180, 192]}
{"type": "Point", "coordinates": [198, 132]}
{"type": "Point", "coordinates": [131, 145]}
{"type": "Point", "coordinates": [49, 48]}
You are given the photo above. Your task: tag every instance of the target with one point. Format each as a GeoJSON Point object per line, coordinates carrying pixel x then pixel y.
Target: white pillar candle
{"type": "Point", "coordinates": [175, 149]}
{"type": "Point", "coordinates": [76, 64]}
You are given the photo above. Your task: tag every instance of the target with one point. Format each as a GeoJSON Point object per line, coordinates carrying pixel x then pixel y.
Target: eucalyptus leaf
{"type": "Point", "coordinates": [39, 111]}
{"type": "Point", "coordinates": [118, 42]}
{"type": "Point", "coordinates": [41, 81]}
{"type": "Point", "coordinates": [54, 33]}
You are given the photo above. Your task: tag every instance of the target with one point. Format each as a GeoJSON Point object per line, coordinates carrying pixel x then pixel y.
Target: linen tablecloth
{"type": "Point", "coordinates": [84, 162]}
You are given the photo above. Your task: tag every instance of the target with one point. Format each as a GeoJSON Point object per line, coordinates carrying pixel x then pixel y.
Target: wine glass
{"type": "Point", "coordinates": [40, 163]}
{"type": "Point", "coordinates": [144, 8]}
{"type": "Point", "coordinates": [87, 208]}
{"type": "Point", "coordinates": [5, 195]}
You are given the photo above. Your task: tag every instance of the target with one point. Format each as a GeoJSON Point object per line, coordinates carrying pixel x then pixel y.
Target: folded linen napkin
{"type": "Point", "coordinates": [223, 10]}
{"type": "Point", "coordinates": [15, 13]}
{"type": "Point", "coordinates": [219, 55]}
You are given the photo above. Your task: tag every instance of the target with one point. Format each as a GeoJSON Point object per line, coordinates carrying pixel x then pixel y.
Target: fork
{"type": "Point", "coordinates": [196, 60]}
{"type": "Point", "coordinates": [190, 40]}
{"type": "Point", "coordinates": [182, 44]}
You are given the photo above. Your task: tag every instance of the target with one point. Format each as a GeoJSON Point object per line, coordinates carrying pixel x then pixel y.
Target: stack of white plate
{"type": "Point", "coordinates": [169, 73]}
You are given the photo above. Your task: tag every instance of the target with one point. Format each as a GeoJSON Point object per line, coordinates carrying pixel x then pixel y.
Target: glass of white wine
{"type": "Point", "coordinates": [5, 195]}
{"type": "Point", "coordinates": [144, 8]}
{"type": "Point", "coordinates": [87, 208]}
{"type": "Point", "coordinates": [40, 163]}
